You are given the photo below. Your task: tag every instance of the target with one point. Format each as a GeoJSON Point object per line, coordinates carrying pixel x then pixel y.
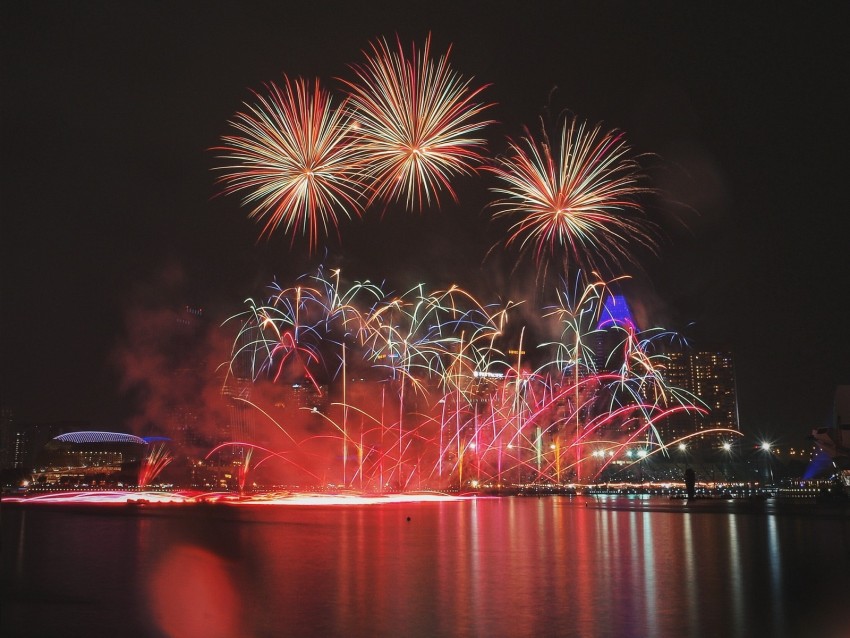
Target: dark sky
{"type": "Point", "coordinates": [109, 109]}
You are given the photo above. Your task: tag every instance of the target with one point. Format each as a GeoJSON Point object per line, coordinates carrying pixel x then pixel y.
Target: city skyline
{"type": "Point", "coordinates": [111, 213]}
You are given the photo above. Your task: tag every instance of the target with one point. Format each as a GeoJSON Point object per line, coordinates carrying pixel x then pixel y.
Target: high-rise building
{"type": "Point", "coordinates": [183, 418]}
{"type": "Point", "coordinates": [7, 438]}
{"type": "Point", "coordinates": [23, 443]}
{"type": "Point", "coordinates": [615, 323]}
{"type": "Point", "coordinates": [710, 376]}
{"type": "Point", "coordinates": [705, 378]}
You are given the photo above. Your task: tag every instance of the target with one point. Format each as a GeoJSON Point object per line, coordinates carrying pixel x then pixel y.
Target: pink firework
{"type": "Point", "coordinates": [152, 465]}
{"type": "Point", "coordinates": [293, 161]}
{"type": "Point", "coordinates": [416, 121]}
{"type": "Point", "coordinates": [576, 201]}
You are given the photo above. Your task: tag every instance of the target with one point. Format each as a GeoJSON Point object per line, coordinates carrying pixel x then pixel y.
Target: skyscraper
{"type": "Point", "coordinates": [22, 443]}
{"type": "Point", "coordinates": [710, 376]}
{"type": "Point", "coordinates": [707, 375]}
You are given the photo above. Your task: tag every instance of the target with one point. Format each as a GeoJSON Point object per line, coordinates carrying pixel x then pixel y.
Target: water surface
{"type": "Point", "coordinates": [513, 566]}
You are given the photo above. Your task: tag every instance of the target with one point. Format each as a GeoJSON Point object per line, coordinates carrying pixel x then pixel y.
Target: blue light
{"type": "Point", "coordinates": [616, 312]}
{"type": "Point", "coordinates": [99, 437]}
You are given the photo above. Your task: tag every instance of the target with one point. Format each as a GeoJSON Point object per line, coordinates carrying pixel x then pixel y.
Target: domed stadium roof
{"type": "Point", "coordinates": [99, 437]}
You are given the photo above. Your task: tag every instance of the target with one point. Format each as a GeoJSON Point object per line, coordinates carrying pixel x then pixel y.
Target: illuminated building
{"type": "Point", "coordinates": [615, 323]}
{"type": "Point", "coordinates": [90, 458]}
{"type": "Point", "coordinates": [21, 443]}
{"type": "Point", "coordinates": [7, 439]}
{"type": "Point", "coordinates": [710, 375]}
{"type": "Point", "coordinates": [303, 396]}
{"type": "Point", "coordinates": [607, 339]}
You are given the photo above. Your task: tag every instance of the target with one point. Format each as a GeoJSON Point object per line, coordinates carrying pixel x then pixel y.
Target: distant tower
{"type": "Point", "coordinates": [613, 329]}
{"type": "Point", "coordinates": [709, 375]}
{"type": "Point", "coordinates": [239, 424]}
{"type": "Point", "coordinates": [7, 439]}
{"type": "Point", "coordinates": [185, 417]}
{"type": "Point", "coordinates": [607, 339]}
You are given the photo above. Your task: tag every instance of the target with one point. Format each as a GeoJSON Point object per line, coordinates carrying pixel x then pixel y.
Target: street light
{"type": "Point", "coordinates": [768, 467]}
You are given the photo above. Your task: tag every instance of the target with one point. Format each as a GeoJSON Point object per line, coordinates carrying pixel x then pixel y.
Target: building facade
{"type": "Point", "coordinates": [709, 375]}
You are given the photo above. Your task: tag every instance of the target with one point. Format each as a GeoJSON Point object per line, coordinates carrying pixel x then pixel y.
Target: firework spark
{"type": "Point", "coordinates": [576, 201]}
{"type": "Point", "coordinates": [293, 161]}
{"type": "Point", "coordinates": [152, 465]}
{"type": "Point", "coordinates": [451, 409]}
{"type": "Point", "coordinates": [416, 119]}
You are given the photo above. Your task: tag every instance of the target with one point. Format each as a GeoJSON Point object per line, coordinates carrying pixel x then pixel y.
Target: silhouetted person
{"type": "Point", "coordinates": [690, 482]}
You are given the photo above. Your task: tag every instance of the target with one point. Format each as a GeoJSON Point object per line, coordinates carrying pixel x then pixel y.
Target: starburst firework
{"type": "Point", "coordinates": [293, 161]}
{"type": "Point", "coordinates": [416, 118]}
{"type": "Point", "coordinates": [577, 201]}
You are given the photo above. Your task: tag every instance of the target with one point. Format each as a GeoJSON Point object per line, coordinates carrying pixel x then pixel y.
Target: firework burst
{"type": "Point", "coordinates": [576, 201]}
{"type": "Point", "coordinates": [443, 396]}
{"type": "Point", "coordinates": [292, 160]}
{"type": "Point", "coordinates": [416, 118]}
{"type": "Point", "coordinates": [152, 465]}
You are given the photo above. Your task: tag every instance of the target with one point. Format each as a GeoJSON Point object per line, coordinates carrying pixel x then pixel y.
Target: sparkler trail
{"type": "Point", "coordinates": [293, 161]}
{"type": "Point", "coordinates": [574, 201]}
{"type": "Point", "coordinates": [157, 458]}
{"type": "Point", "coordinates": [416, 120]}
{"type": "Point", "coordinates": [441, 405]}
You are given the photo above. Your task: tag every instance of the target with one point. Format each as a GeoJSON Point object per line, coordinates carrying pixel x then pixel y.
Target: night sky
{"type": "Point", "coordinates": [109, 202]}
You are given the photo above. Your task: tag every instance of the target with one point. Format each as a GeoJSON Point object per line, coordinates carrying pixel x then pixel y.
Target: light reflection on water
{"type": "Point", "coordinates": [691, 586]}
{"type": "Point", "coordinates": [775, 559]}
{"type": "Point", "coordinates": [736, 567]}
{"type": "Point", "coordinates": [552, 566]}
